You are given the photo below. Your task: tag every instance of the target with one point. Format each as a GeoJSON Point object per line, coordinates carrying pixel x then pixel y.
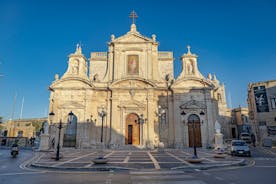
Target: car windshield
{"type": "Point", "coordinates": [238, 143]}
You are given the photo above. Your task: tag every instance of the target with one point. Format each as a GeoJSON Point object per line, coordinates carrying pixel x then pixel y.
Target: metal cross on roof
{"type": "Point", "coordinates": [134, 16]}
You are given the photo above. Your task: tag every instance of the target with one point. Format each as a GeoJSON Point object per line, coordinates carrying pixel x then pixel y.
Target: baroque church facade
{"type": "Point", "coordinates": [128, 96]}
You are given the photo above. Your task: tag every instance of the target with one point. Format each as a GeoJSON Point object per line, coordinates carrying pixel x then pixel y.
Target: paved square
{"type": "Point", "coordinates": [129, 159]}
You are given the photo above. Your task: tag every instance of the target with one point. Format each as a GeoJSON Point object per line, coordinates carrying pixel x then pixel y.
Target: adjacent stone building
{"type": "Point", "coordinates": [21, 127]}
{"type": "Point", "coordinates": [240, 122]}
{"type": "Point", "coordinates": [132, 93]}
{"type": "Point", "coordinates": [262, 109]}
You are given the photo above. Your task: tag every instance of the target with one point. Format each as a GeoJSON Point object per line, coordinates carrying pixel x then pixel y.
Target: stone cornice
{"type": "Point", "coordinates": [201, 80]}
{"type": "Point", "coordinates": [65, 79]}
{"type": "Point", "coordinates": [193, 104]}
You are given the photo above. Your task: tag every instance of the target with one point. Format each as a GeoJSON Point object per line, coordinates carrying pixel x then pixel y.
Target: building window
{"type": "Point", "coordinates": [133, 64]}
{"type": "Point", "coordinates": [262, 123]}
{"type": "Point", "coordinates": [273, 103]}
{"type": "Point", "coordinates": [271, 130]}
{"type": "Point", "coordinates": [20, 133]}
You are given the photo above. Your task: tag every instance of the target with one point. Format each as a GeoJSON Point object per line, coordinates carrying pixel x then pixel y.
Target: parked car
{"type": "Point", "coordinates": [246, 137]}
{"type": "Point", "coordinates": [239, 147]}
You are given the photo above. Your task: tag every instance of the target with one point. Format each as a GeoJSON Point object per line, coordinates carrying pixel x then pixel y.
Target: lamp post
{"type": "Point", "coordinates": [141, 121]}
{"type": "Point", "coordinates": [183, 113]}
{"type": "Point", "coordinates": [195, 153]}
{"type": "Point", "coordinates": [101, 159]}
{"type": "Point", "coordinates": [161, 114]}
{"type": "Point", "coordinates": [102, 114]}
{"type": "Point", "coordinates": [51, 117]}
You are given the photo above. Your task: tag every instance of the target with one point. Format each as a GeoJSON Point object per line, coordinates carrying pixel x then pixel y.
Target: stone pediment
{"type": "Point", "coordinates": [71, 105]}
{"type": "Point", "coordinates": [132, 84]}
{"type": "Point", "coordinates": [132, 37]}
{"type": "Point", "coordinates": [132, 104]}
{"type": "Point", "coordinates": [71, 82]}
{"type": "Point", "coordinates": [191, 83]}
{"type": "Point", "coordinates": [193, 104]}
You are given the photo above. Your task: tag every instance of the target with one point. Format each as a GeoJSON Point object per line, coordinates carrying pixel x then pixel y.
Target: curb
{"type": "Point", "coordinates": [238, 163]}
{"type": "Point", "coordinates": [97, 168]}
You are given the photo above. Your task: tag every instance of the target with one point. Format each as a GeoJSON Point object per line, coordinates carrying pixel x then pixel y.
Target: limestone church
{"type": "Point", "coordinates": [128, 96]}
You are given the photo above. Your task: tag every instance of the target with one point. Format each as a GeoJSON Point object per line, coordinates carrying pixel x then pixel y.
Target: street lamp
{"type": "Point", "coordinates": [51, 117]}
{"type": "Point", "coordinates": [161, 114]}
{"type": "Point", "coordinates": [101, 159]}
{"type": "Point", "coordinates": [141, 121]}
{"type": "Point", "coordinates": [102, 114]}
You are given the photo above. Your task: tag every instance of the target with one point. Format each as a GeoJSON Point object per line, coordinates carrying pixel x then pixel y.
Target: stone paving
{"type": "Point", "coordinates": [132, 159]}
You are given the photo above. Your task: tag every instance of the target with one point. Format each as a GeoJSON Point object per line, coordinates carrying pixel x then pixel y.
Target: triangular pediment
{"type": "Point", "coordinates": [193, 104]}
{"type": "Point", "coordinates": [132, 37]}
{"type": "Point", "coordinates": [192, 83]}
{"type": "Point", "coordinates": [71, 82]}
{"type": "Point", "coordinates": [132, 104]}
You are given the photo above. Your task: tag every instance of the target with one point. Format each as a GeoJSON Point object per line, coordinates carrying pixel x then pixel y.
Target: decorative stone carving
{"type": "Point", "coordinates": [193, 104]}
{"type": "Point", "coordinates": [112, 37]}
{"type": "Point", "coordinates": [56, 77]}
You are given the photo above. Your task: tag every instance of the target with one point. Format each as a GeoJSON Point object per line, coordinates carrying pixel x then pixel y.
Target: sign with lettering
{"type": "Point", "coordinates": [261, 99]}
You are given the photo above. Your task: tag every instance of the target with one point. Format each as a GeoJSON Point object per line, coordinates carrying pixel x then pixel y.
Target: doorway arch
{"type": "Point", "coordinates": [194, 122]}
{"type": "Point", "coordinates": [70, 133]}
{"type": "Point", "coordinates": [132, 129]}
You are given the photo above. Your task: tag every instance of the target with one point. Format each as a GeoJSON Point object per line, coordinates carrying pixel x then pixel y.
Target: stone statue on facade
{"type": "Point", "coordinates": [44, 137]}
{"type": "Point", "coordinates": [218, 138]}
{"type": "Point", "coordinates": [45, 127]}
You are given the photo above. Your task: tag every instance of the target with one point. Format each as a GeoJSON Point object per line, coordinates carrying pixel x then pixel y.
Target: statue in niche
{"type": "Point", "coordinates": [133, 65]}
{"type": "Point", "coordinates": [190, 68]}
{"type": "Point", "coordinates": [75, 68]}
{"type": "Point", "coordinates": [56, 77]}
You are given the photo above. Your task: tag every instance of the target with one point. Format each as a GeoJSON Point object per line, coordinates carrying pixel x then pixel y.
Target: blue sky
{"type": "Point", "coordinates": [233, 39]}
